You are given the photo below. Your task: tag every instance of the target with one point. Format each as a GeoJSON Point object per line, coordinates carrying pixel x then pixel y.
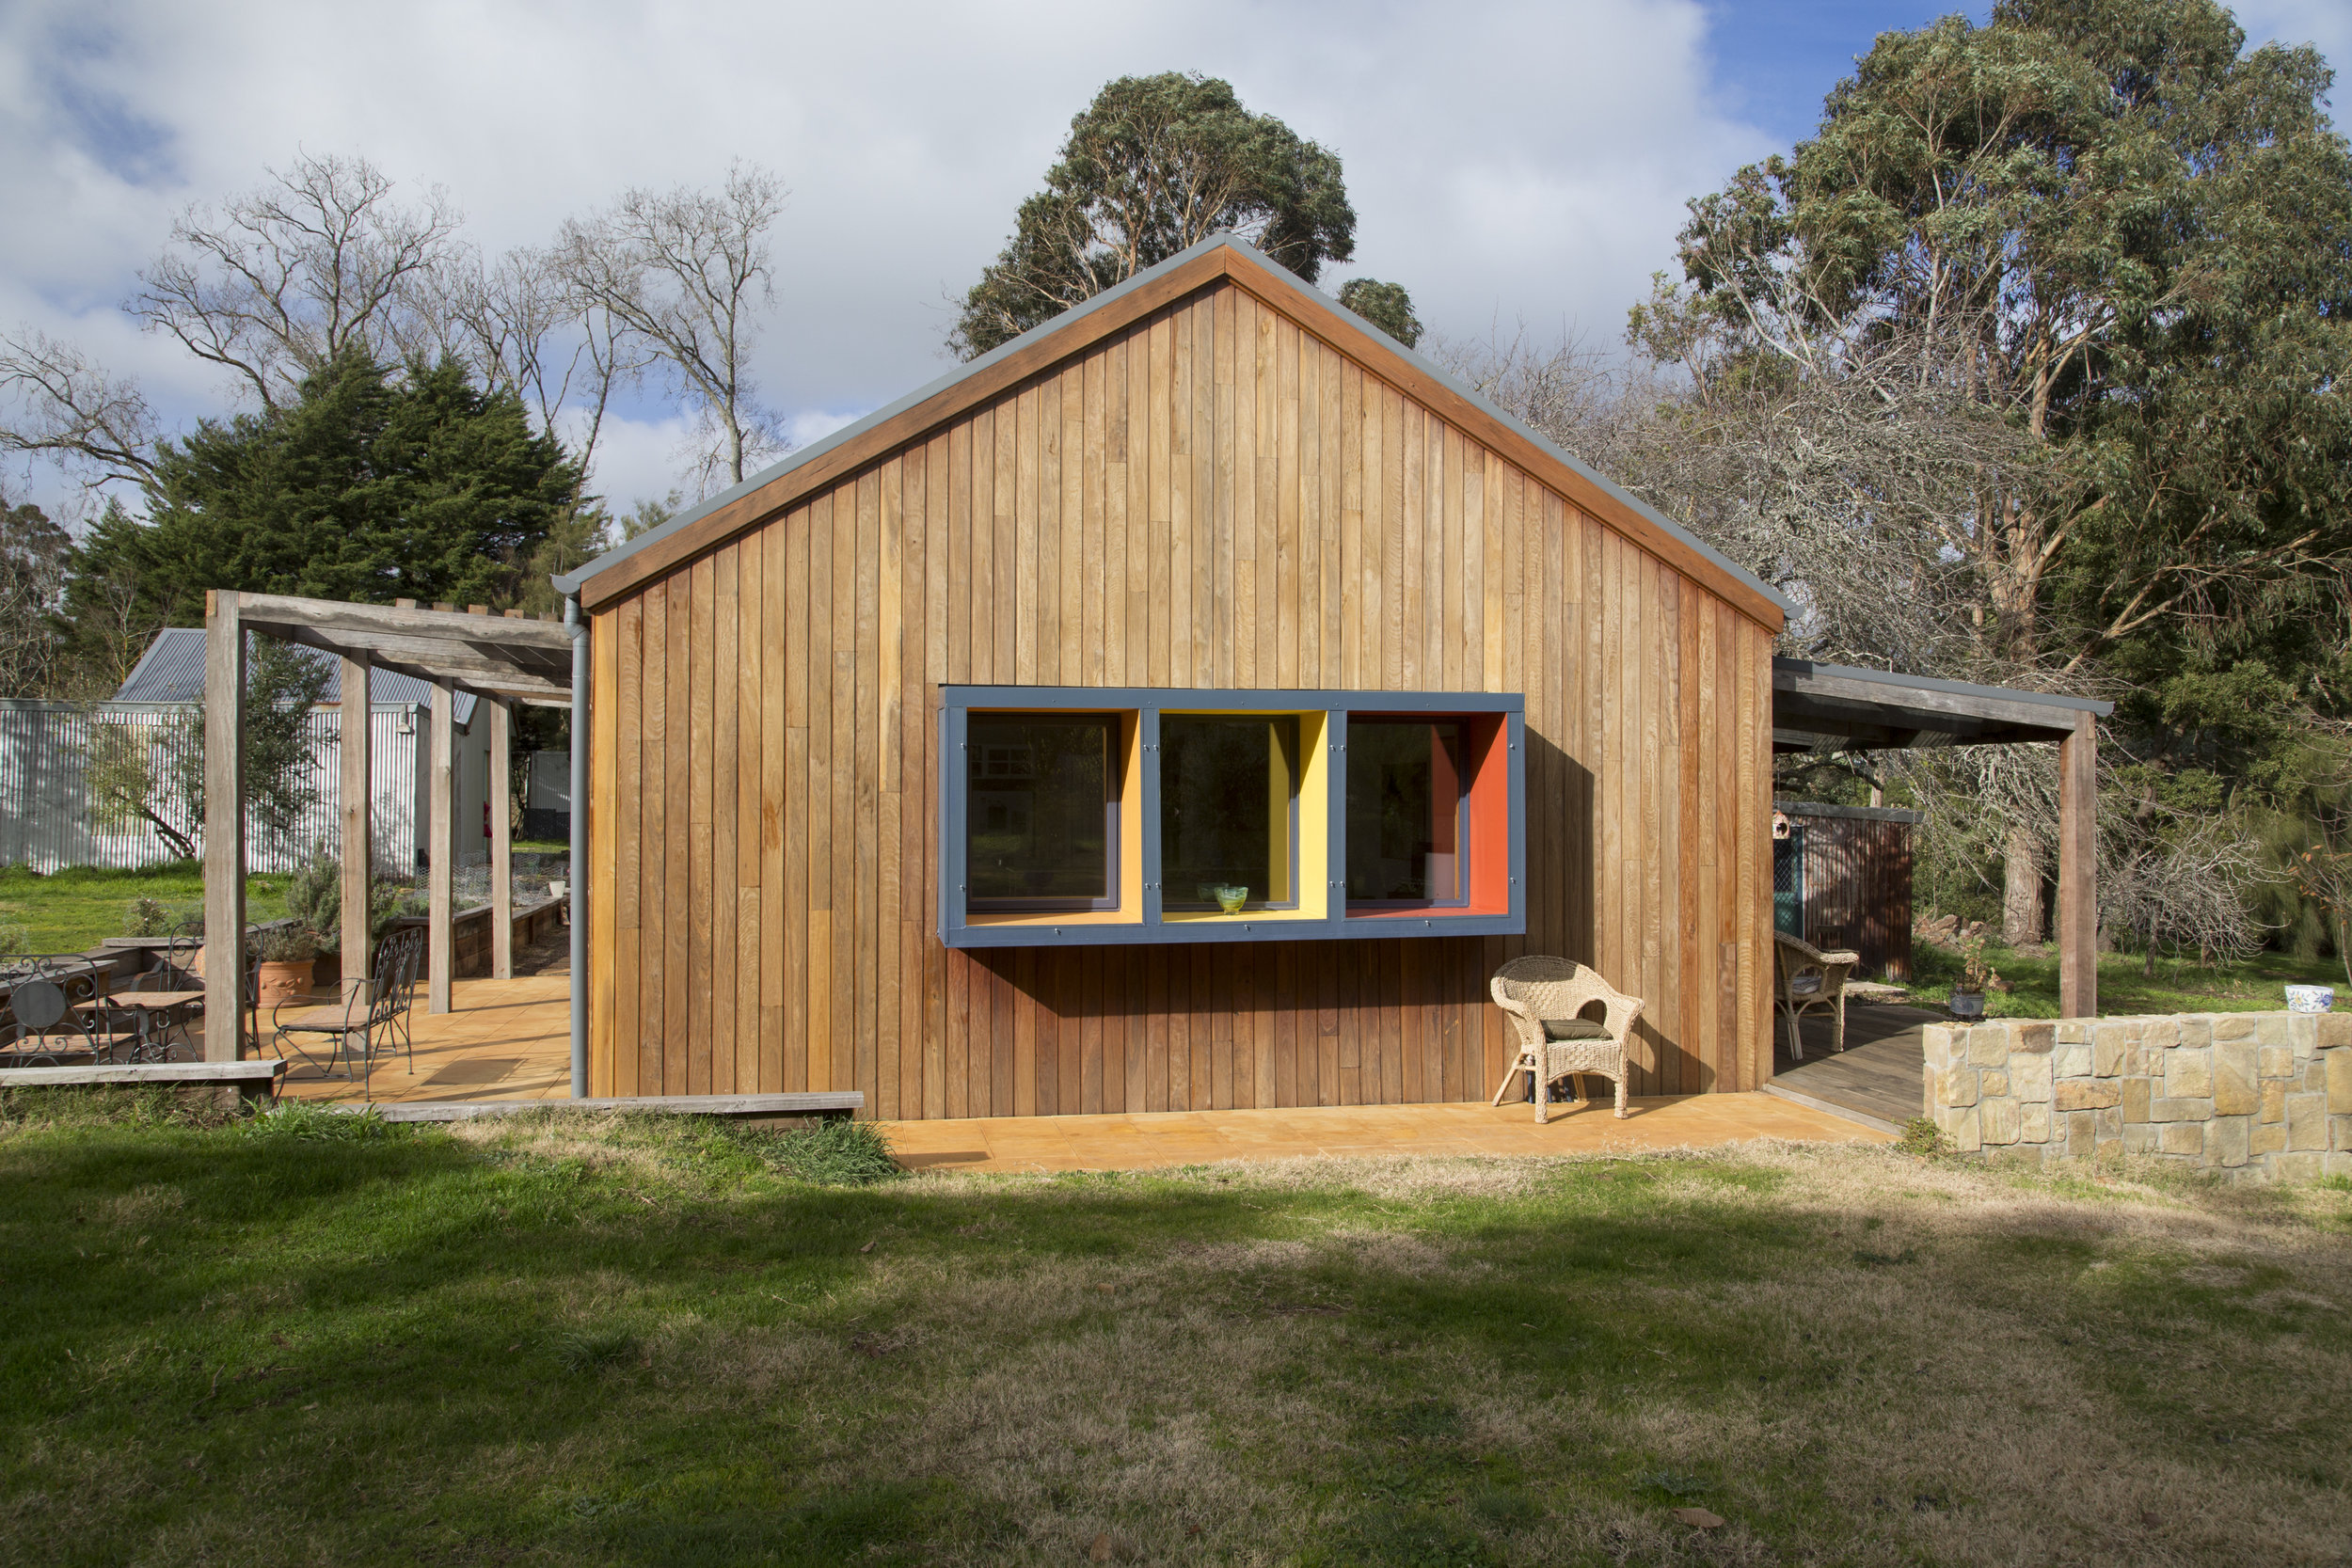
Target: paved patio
{"type": "Point", "coordinates": [511, 1040]}
{"type": "Point", "coordinates": [1142, 1142]}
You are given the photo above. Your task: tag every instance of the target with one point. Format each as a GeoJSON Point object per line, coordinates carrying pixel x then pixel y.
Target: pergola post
{"type": "Point", "coordinates": [501, 844]}
{"type": "Point", "coordinates": [2079, 858]}
{"type": "Point", "coordinates": [358, 787]}
{"type": "Point", "coordinates": [224, 829]}
{"type": "Point", "coordinates": [441, 867]}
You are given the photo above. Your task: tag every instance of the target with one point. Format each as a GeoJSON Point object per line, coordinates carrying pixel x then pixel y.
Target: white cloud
{"type": "Point", "coordinates": [1510, 160]}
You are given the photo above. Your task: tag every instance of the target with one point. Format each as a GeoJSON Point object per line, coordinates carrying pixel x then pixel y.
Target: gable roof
{"type": "Point", "coordinates": [172, 670]}
{"type": "Point", "coordinates": [819, 465]}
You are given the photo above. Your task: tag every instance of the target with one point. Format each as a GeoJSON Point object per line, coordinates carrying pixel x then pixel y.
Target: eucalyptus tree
{"type": "Point", "coordinates": [1153, 165]}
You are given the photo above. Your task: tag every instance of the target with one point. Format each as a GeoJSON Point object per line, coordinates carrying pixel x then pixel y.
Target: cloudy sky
{"type": "Point", "coordinates": [1508, 162]}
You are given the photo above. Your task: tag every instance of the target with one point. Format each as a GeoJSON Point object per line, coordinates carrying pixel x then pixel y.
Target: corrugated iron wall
{"type": "Point", "coordinates": [45, 816]}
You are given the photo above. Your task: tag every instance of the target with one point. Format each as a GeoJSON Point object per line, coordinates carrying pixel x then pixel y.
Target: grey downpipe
{"type": "Point", "coordinates": [578, 914]}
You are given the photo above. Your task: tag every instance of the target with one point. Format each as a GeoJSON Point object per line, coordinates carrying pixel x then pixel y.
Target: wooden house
{"type": "Point", "coordinates": [1188, 705]}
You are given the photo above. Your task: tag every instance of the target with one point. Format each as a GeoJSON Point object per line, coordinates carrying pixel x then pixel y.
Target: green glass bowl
{"type": "Point", "coordinates": [1230, 898]}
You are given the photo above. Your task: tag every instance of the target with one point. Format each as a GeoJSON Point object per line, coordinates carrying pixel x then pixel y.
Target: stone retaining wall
{"type": "Point", "coordinates": [2260, 1095]}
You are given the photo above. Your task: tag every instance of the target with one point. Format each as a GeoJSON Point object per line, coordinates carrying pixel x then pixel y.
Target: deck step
{"type": "Point", "coordinates": [145, 1072]}
{"type": "Point", "coordinates": [1814, 1102]}
{"type": "Point", "coordinates": [842, 1103]}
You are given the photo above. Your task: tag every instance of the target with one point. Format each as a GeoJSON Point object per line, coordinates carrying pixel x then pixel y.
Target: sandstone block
{"type": "Point", "coordinates": [1957, 1086]}
{"type": "Point", "coordinates": [1935, 1045]}
{"type": "Point", "coordinates": [2139, 1138]}
{"type": "Point", "coordinates": [2226, 1141]}
{"type": "Point", "coordinates": [1993, 1082]}
{"type": "Point", "coordinates": [2036, 1038]}
{"type": "Point", "coordinates": [2087, 1094]}
{"type": "Point", "coordinates": [1988, 1045]}
{"type": "Point", "coordinates": [2109, 1124]}
{"type": "Point", "coordinates": [2274, 1106]}
{"type": "Point", "coordinates": [1999, 1120]}
{"type": "Point", "coordinates": [2298, 1167]}
{"type": "Point", "coordinates": [2107, 1056]}
{"type": "Point", "coordinates": [1966, 1131]}
{"type": "Point", "coordinates": [2274, 1029]}
{"type": "Point", "coordinates": [2135, 1093]}
{"type": "Point", "coordinates": [2033, 1121]}
{"type": "Point", "coordinates": [2234, 1078]}
{"type": "Point", "coordinates": [2082, 1132]}
{"type": "Point", "coordinates": [2302, 1032]}
{"type": "Point", "coordinates": [2335, 1164]}
{"type": "Point", "coordinates": [2188, 1072]}
{"type": "Point", "coordinates": [2164, 1109]}
{"type": "Point", "coordinates": [2306, 1121]}
{"type": "Point", "coordinates": [2334, 1029]}
{"type": "Point", "coordinates": [2071, 1061]}
{"type": "Point", "coordinates": [2029, 1077]}
{"type": "Point", "coordinates": [2071, 1031]}
{"type": "Point", "coordinates": [2196, 1029]}
{"type": "Point", "coordinates": [2340, 1133]}
{"type": "Point", "coordinates": [2160, 1034]}
{"type": "Point", "coordinates": [2236, 1026]}
{"type": "Point", "coordinates": [2336, 1068]}
{"type": "Point", "coordinates": [2273, 1062]}
{"type": "Point", "coordinates": [2182, 1137]}
{"type": "Point", "coordinates": [2266, 1137]}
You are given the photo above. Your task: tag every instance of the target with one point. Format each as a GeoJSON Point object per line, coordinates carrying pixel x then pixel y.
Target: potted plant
{"type": "Point", "coordinates": [1975, 975]}
{"type": "Point", "coordinates": [287, 953]}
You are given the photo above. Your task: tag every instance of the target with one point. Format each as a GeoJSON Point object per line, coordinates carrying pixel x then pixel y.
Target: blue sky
{"type": "Point", "coordinates": [1521, 164]}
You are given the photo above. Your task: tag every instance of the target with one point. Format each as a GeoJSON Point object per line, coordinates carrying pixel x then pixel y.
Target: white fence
{"type": "Point", "coordinates": [45, 816]}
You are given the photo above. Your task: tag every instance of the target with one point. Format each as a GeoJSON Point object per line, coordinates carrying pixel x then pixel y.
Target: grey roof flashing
{"type": "Point", "coordinates": [570, 582]}
{"type": "Point", "coordinates": [1955, 688]}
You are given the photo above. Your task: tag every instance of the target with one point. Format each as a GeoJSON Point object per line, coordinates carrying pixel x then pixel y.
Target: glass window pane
{"type": "Point", "coordinates": [1405, 811]}
{"type": "Point", "coordinates": [1228, 792]}
{"type": "Point", "coordinates": [1040, 815]}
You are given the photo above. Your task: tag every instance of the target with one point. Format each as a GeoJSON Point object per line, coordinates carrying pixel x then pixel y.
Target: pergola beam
{"type": "Point", "coordinates": [224, 829]}
{"type": "Point", "coordinates": [2079, 858]}
{"type": "Point", "coordinates": [440, 865]}
{"type": "Point", "coordinates": [275, 612]}
{"type": "Point", "coordinates": [359, 789]}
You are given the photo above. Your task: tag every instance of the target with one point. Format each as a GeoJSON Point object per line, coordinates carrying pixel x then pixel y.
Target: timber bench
{"type": "Point", "coordinates": [245, 1080]}
{"type": "Point", "coordinates": [844, 1103]}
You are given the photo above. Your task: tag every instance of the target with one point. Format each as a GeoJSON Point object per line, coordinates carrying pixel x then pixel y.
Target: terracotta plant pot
{"type": "Point", "coordinates": [284, 981]}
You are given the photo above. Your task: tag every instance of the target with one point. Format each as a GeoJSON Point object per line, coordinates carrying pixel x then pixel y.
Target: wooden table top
{"type": "Point", "coordinates": [141, 999]}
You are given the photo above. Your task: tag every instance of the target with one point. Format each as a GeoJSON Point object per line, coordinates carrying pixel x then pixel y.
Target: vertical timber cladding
{"type": "Point", "coordinates": [1211, 495]}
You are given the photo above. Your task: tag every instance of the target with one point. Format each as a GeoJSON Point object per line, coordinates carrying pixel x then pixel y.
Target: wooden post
{"type": "Point", "coordinates": [358, 787]}
{"type": "Point", "coordinates": [224, 829]}
{"type": "Point", "coordinates": [441, 868]}
{"type": "Point", "coordinates": [2079, 860]}
{"type": "Point", "coordinates": [502, 846]}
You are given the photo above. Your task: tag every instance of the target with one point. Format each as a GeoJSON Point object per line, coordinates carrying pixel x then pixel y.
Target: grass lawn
{"type": "Point", "coordinates": [73, 910]}
{"type": "Point", "coordinates": [639, 1342]}
{"type": "Point", "coordinates": [2258, 985]}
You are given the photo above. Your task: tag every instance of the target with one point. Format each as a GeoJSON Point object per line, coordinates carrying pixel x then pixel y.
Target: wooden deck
{"type": "Point", "coordinates": [1878, 1074]}
{"type": "Point", "coordinates": [1141, 1142]}
{"type": "Point", "coordinates": [506, 1039]}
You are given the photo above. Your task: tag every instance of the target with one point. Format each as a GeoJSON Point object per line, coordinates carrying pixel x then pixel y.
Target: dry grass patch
{"type": "Point", "coordinates": [635, 1342]}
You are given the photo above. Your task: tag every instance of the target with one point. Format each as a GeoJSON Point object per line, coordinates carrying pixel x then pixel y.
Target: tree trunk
{"type": "Point", "coordinates": [2021, 889]}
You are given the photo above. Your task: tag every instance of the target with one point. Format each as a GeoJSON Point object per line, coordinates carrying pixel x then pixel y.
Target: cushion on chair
{"type": "Point", "coordinates": [1805, 985]}
{"type": "Point", "coordinates": [1574, 1029]}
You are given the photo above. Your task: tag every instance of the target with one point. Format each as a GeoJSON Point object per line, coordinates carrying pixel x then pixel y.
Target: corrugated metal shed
{"type": "Point", "coordinates": [172, 670]}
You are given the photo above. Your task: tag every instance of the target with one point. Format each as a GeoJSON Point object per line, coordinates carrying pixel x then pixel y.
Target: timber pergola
{"type": "Point", "coordinates": [501, 660]}
{"type": "Point", "coordinates": [1833, 707]}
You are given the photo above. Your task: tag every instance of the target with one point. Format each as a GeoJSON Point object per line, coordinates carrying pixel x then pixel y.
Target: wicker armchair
{"type": "Point", "coordinates": [1805, 977]}
{"type": "Point", "coordinates": [1544, 999]}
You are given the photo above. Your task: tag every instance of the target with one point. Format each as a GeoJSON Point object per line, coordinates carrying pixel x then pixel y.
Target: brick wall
{"type": "Point", "coordinates": [2260, 1095]}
